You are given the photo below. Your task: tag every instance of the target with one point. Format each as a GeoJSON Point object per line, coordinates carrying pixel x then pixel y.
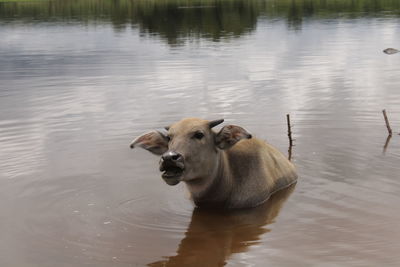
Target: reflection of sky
{"type": "Point", "coordinates": [94, 80]}
{"type": "Point", "coordinates": [72, 97]}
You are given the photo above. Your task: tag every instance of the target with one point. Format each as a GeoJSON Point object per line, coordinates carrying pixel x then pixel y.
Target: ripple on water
{"type": "Point", "coordinates": [22, 144]}
{"type": "Point", "coordinates": [69, 219]}
{"type": "Point", "coordinates": [149, 214]}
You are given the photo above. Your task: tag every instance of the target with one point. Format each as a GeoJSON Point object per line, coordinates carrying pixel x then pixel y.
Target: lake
{"type": "Point", "coordinates": [79, 79]}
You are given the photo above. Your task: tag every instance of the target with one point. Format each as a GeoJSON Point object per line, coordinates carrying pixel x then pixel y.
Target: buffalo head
{"type": "Point", "coordinates": [189, 148]}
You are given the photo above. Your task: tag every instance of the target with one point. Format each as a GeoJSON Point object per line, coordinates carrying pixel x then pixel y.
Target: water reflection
{"type": "Point", "coordinates": [385, 146]}
{"type": "Point", "coordinates": [76, 83]}
{"type": "Point", "coordinates": [177, 20]}
{"type": "Point", "coordinates": [213, 236]}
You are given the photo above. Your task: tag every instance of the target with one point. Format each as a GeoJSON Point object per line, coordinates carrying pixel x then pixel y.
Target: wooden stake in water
{"type": "Point", "coordinates": [290, 136]}
{"type": "Point", "coordinates": [387, 122]}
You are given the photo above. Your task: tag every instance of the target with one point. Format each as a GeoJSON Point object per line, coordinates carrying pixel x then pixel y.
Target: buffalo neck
{"type": "Point", "coordinates": [217, 188]}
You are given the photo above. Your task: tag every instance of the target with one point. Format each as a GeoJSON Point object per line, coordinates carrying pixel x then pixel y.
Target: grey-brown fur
{"type": "Point", "coordinates": [229, 168]}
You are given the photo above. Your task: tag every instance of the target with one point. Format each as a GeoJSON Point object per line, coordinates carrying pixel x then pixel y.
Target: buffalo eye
{"type": "Point", "coordinates": [198, 135]}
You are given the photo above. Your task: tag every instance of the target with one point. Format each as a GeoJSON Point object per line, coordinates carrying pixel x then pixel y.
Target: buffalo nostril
{"type": "Point", "coordinates": [175, 157]}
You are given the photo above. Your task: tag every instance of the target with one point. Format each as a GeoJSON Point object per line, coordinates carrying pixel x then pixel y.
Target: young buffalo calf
{"type": "Point", "coordinates": [229, 169]}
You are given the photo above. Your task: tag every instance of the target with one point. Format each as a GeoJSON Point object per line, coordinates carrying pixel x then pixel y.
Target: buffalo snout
{"type": "Point", "coordinates": [171, 156]}
{"type": "Point", "coordinates": [172, 166]}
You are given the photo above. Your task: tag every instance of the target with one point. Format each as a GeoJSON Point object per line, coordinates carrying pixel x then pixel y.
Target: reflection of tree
{"type": "Point", "coordinates": [216, 21]}
{"type": "Point", "coordinates": [177, 19]}
{"type": "Point", "coordinates": [213, 236]}
{"type": "Point", "coordinates": [294, 16]}
{"type": "Point", "coordinates": [171, 20]}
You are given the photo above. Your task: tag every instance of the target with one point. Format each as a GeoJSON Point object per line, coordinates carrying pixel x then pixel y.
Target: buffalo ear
{"type": "Point", "coordinates": [156, 142]}
{"type": "Point", "coordinates": [230, 135]}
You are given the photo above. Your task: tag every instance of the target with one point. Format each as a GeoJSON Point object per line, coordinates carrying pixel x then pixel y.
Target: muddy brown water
{"type": "Point", "coordinates": [80, 79]}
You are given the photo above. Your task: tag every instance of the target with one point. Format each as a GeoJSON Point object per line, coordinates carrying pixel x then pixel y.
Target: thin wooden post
{"type": "Point", "coordinates": [290, 137]}
{"type": "Point", "coordinates": [387, 122]}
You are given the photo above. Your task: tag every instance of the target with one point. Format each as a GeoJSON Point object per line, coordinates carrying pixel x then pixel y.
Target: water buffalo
{"type": "Point", "coordinates": [229, 168]}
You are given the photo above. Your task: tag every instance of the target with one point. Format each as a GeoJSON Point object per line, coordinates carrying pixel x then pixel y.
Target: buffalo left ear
{"type": "Point", "coordinates": [230, 135]}
{"type": "Point", "coordinates": [156, 142]}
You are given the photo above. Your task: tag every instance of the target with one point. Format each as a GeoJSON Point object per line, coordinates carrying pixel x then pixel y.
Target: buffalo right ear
{"type": "Point", "coordinates": [230, 135]}
{"type": "Point", "coordinates": [156, 142]}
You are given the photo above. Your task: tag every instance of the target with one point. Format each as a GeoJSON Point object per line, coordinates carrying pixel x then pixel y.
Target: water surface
{"type": "Point", "coordinates": [80, 79]}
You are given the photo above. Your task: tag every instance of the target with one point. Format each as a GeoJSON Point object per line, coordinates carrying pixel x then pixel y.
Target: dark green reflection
{"type": "Point", "coordinates": [176, 20]}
